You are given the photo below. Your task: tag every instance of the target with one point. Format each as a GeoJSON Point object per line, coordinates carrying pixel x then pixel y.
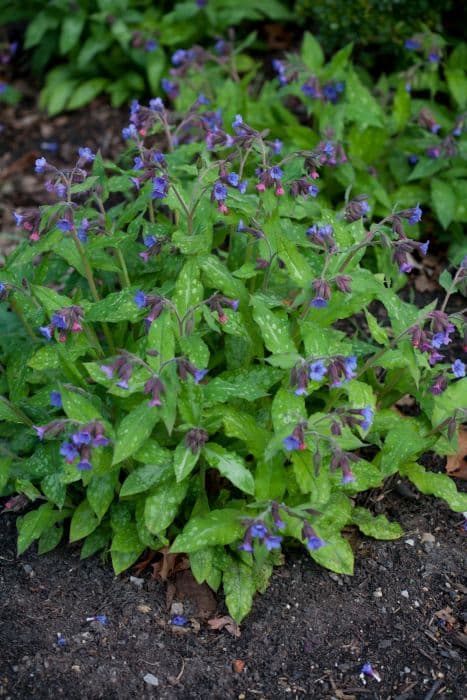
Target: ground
{"type": "Point", "coordinates": [307, 636]}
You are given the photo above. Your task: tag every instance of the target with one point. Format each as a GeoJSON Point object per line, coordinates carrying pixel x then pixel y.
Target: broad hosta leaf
{"type": "Point", "coordinates": [230, 465]}
{"type": "Point", "coordinates": [217, 527]}
{"type": "Point", "coordinates": [134, 429]}
{"type": "Point", "coordinates": [433, 484]}
{"type": "Point", "coordinates": [337, 555]}
{"type": "Point", "coordinates": [163, 504]}
{"type": "Point", "coordinates": [274, 328]}
{"type": "Point", "coordinates": [377, 526]}
{"type": "Point", "coordinates": [239, 589]}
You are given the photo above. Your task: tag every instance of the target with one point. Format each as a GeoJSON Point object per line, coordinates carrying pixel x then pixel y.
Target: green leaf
{"type": "Point", "coordinates": [201, 563]}
{"type": "Point", "coordinates": [50, 539]}
{"type": "Point", "coordinates": [143, 478]}
{"type": "Point", "coordinates": [217, 276]}
{"type": "Point", "coordinates": [116, 307]}
{"type": "Point", "coordinates": [248, 384]}
{"type": "Point", "coordinates": [425, 168]}
{"type": "Point", "coordinates": [317, 485]}
{"type": "Point", "coordinates": [95, 541]}
{"type": "Point", "coordinates": [287, 410]}
{"type": "Point", "coordinates": [5, 463]}
{"type": "Point", "coordinates": [378, 526]}
{"type": "Point", "coordinates": [184, 461]}
{"type": "Point", "coordinates": [297, 265]}
{"type": "Point", "coordinates": [134, 429]}
{"type": "Point", "coordinates": [72, 26]}
{"type": "Point", "coordinates": [274, 328]}
{"type": "Point", "coordinates": [433, 484]}
{"type": "Point", "coordinates": [270, 479]}
{"type": "Point", "coordinates": [230, 465]}
{"type": "Point", "coordinates": [217, 527]}
{"type": "Point", "coordinates": [188, 290]}
{"type": "Point", "coordinates": [155, 65]}
{"type": "Point", "coordinates": [244, 427]}
{"type": "Point", "coordinates": [50, 299]}
{"type": "Point", "coordinates": [8, 414]}
{"type": "Point", "coordinates": [121, 561]}
{"type": "Point", "coordinates": [457, 84]}
{"type": "Point", "coordinates": [161, 338]}
{"type": "Point", "coordinates": [447, 403]}
{"type": "Point", "coordinates": [54, 489]}
{"type": "Point", "coordinates": [77, 407]}
{"type": "Point", "coordinates": [239, 589]}
{"type": "Point", "coordinates": [311, 52]}
{"type": "Point", "coordinates": [402, 444]}
{"type": "Point", "coordinates": [83, 521]}
{"type": "Point", "coordinates": [444, 201]}
{"type": "Point", "coordinates": [163, 504]}
{"type": "Point", "coordinates": [101, 491]}
{"type": "Point", "coordinates": [32, 525]}
{"type": "Point", "coordinates": [401, 107]}
{"type": "Point", "coordinates": [378, 333]}
{"type": "Point", "coordinates": [337, 555]}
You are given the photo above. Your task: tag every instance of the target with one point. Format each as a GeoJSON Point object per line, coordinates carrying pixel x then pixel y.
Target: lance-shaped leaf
{"type": "Point", "coordinates": [239, 589]}
{"type": "Point", "coordinates": [163, 504]}
{"type": "Point", "coordinates": [184, 461]}
{"type": "Point", "coordinates": [134, 429]}
{"type": "Point", "coordinates": [230, 465]}
{"type": "Point", "coordinates": [274, 328]}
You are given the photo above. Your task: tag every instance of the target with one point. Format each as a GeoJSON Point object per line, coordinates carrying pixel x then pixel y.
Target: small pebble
{"type": "Point", "coordinates": [138, 582]}
{"type": "Point", "coordinates": [176, 609]}
{"type": "Point", "coordinates": [150, 679]}
{"type": "Point", "coordinates": [411, 543]}
{"type": "Point", "coordinates": [405, 594]}
{"type": "Point", "coordinates": [378, 593]}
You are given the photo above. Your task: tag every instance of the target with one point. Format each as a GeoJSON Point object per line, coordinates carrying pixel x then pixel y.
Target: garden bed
{"type": "Point", "coordinates": [307, 636]}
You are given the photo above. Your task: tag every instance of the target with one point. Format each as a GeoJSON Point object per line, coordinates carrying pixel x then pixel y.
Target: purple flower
{"type": "Point", "coordinates": [241, 225]}
{"type": "Point", "coordinates": [412, 44]}
{"type": "Point", "coordinates": [237, 122]}
{"type": "Point", "coordinates": [108, 371]}
{"type": "Point", "coordinates": [292, 443]}
{"type": "Point", "coordinates": [56, 399]}
{"type": "Point", "coordinates": [18, 218]}
{"type": "Point", "coordinates": [203, 100]}
{"type": "Point", "coordinates": [82, 437]}
{"type": "Point", "coordinates": [277, 147]}
{"type": "Point", "coordinates": [156, 104]}
{"type": "Point", "coordinates": [233, 179]}
{"type": "Point", "coordinates": [258, 530]}
{"type": "Point", "coordinates": [314, 542]}
{"type": "Point", "coordinates": [318, 302]}
{"type": "Point", "coordinates": [313, 190]}
{"type": "Point", "coordinates": [178, 620]}
{"type": "Point", "coordinates": [140, 299]}
{"type": "Point", "coordinates": [348, 477]}
{"type": "Point", "coordinates": [180, 56]}
{"type": "Point", "coordinates": [100, 441]}
{"type": "Point", "coordinates": [424, 247]}
{"type": "Point", "coordinates": [458, 369]}
{"type": "Point", "coordinates": [151, 45]}
{"type": "Point", "coordinates": [46, 331]}
{"type": "Point", "coordinates": [130, 132]}
{"type": "Point", "coordinates": [40, 165]}
{"type": "Point", "coordinates": [86, 154]}
{"type": "Point", "coordinates": [276, 172]}
{"type": "Point", "coordinates": [434, 57]}
{"type": "Point", "coordinates": [368, 670]}
{"type": "Point", "coordinates": [273, 542]}
{"type": "Point", "coordinates": [64, 225]}
{"type": "Point", "coordinates": [301, 391]}
{"type": "Point", "coordinates": [246, 546]}
{"type": "Point", "coordinates": [219, 192]}
{"type": "Point", "coordinates": [69, 451]}
{"type": "Point", "coordinates": [368, 414]}
{"type": "Point", "coordinates": [350, 364]}
{"type": "Point", "coordinates": [242, 186]}
{"type": "Point", "coordinates": [149, 241]}
{"type": "Point", "coordinates": [60, 190]}
{"type": "Point", "coordinates": [199, 375]}
{"type": "Point", "coordinates": [137, 163]}
{"type": "Point", "coordinates": [82, 231]}
{"type": "Point", "coordinates": [415, 215]}
{"type": "Point", "coordinates": [160, 186]}
{"type": "Point", "coordinates": [317, 370]}
{"type": "Point", "coordinates": [40, 430]}
{"type": "Point", "coordinates": [412, 159]}
{"type": "Point", "coordinates": [84, 465]}
{"type": "Point", "coordinates": [59, 322]}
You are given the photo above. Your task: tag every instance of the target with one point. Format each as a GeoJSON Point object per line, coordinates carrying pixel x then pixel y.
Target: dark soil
{"type": "Point", "coordinates": [307, 636]}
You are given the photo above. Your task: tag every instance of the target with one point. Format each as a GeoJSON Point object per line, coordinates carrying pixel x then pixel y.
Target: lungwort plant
{"type": "Point", "coordinates": [196, 355]}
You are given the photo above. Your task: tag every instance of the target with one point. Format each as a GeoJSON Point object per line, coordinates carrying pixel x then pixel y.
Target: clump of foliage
{"type": "Point", "coordinates": [120, 47]}
{"type": "Point", "coordinates": [202, 342]}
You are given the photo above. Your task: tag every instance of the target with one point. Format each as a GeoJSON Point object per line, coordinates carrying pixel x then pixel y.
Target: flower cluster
{"type": "Point", "coordinates": [80, 444]}
{"type": "Point", "coordinates": [66, 320]}
{"type": "Point", "coordinates": [338, 369]}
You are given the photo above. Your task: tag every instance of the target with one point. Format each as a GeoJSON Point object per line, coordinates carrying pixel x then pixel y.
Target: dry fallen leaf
{"type": "Point", "coordinates": [446, 615]}
{"type": "Point", "coordinates": [238, 666]}
{"type": "Point", "coordinates": [199, 594]}
{"type": "Point", "coordinates": [144, 608]}
{"type": "Point", "coordinates": [456, 465]}
{"type": "Point", "coordinates": [218, 623]}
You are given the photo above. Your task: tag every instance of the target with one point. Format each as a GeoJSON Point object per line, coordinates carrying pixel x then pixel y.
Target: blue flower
{"type": "Point", "coordinates": [18, 218]}
{"type": "Point", "coordinates": [59, 322]}
{"type": "Point", "coordinates": [458, 369]}
{"type": "Point", "coordinates": [159, 187]}
{"type": "Point", "coordinates": [40, 430]}
{"type": "Point", "coordinates": [82, 437]}
{"type": "Point", "coordinates": [56, 399]}
{"type": "Point", "coordinates": [412, 159]}
{"type": "Point", "coordinates": [219, 192]}
{"type": "Point", "coordinates": [317, 370]}
{"type": "Point", "coordinates": [276, 172]}
{"type": "Point", "coordinates": [84, 465]}
{"type": "Point", "coordinates": [40, 165]}
{"type": "Point", "coordinates": [368, 414]}
{"type": "Point", "coordinates": [277, 147]}
{"type": "Point", "coordinates": [319, 302]}
{"type": "Point", "coordinates": [291, 443]}
{"type": "Point", "coordinates": [424, 247]}
{"type": "Point", "coordinates": [46, 331]}
{"type": "Point", "coordinates": [233, 179]}
{"type": "Point", "coordinates": [313, 190]}
{"type": "Point", "coordinates": [415, 215]}
{"type": "Point", "coordinates": [179, 620]}
{"type": "Point", "coordinates": [237, 122]}
{"type": "Point", "coordinates": [258, 530]}
{"type": "Point", "coordinates": [200, 374]}
{"type": "Point", "coordinates": [130, 132]}
{"type": "Point", "coordinates": [412, 44]}
{"type": "Point", "coordinates": [69, 451]}
{"type": "Point", "coordinates": [241, 225]}
{"type": "Point", "coordinates": [273, 542]}
{"type": "Point", "coordinates": [156, 104]}
{"type": "Point", "coordinates": [151, 45]}
{"type": "Point", "coordinates": [242, 186]}
{"type": "Point", "coordinates": [86, 154]}
{"type": "Point", "coordinates": [179, 57]}
{"type": "Point", "coordinates": [314, 542]}
{"type": "Point", "coordinates": [82, 231]}
{"type": "Point", "coordinates": [64, 225]}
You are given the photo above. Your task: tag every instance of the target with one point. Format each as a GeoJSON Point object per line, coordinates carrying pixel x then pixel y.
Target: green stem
{"type": "Point", "coordinates": [122, 262]}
